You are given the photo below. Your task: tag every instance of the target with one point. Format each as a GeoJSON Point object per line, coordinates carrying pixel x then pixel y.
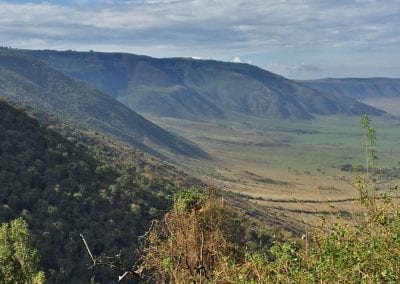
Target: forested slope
{"type": "Point", "coordinates": [62, 189]}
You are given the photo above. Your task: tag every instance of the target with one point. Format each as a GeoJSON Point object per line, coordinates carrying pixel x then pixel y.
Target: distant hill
{"type": "Point", "coordinates": [189, 88]}
{"type": "Point", "coordinates": [358, 88]}
{"type": "Point", "coordinates": [31, 82]}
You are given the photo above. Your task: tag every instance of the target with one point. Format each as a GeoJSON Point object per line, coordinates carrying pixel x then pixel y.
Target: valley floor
{"type": "Point", "coordinates": [292, 169]}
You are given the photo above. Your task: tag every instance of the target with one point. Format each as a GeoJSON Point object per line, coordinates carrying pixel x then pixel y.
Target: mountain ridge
{"type": "Point", "coordinates": [191, 88]}
{"type": "Point", "coordinates": [357, 88]}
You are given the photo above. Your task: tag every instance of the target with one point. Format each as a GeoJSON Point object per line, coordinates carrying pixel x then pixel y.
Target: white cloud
{"type": "Point", "coordinates": [236, 25]}
{"type": "Point", "coordinates": [303, 67]}
{"type": "Point", "coordinates": [237, 59]}
{"type": "Point", "coordinates": [302, 70]}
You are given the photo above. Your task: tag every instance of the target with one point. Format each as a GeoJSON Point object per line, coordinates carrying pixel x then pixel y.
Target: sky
{"type": "Point", "coordinates": [300, 39]}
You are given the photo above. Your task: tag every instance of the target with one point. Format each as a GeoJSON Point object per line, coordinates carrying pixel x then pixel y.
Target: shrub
{"type": "Point", "coordinates": [18, 258]}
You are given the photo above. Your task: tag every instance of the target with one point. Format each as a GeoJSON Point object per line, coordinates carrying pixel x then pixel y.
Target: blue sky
{"type": "Point", "coordinates": [296, 38]}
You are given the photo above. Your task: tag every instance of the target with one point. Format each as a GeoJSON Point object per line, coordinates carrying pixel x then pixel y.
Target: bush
{"type": "Point", "coordinates": [19, 260]}
{"type": "Point", "coordinates": [193, 242]}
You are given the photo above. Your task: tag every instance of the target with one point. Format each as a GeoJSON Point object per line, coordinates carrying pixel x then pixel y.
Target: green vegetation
{"type": "Point", "coordinates": [62, 188]}
{"type": "Point", "coordinates": [370, 144]}
{"type": "Point", "coordinates": [188, 199]}
{"type": "Point", "coordinates": [19, 260]}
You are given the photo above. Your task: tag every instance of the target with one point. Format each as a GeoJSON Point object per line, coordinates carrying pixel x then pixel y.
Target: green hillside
{"type": "Point", "coordinates": [188, 88]}
{"type": "Point", "coordinates": [34, 84]}
{"type": "Point", "coordinates": [63, 189]}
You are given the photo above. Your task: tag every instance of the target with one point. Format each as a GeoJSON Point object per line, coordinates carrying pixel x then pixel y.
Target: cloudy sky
{"type": "Point", "coordinates": [295, 38]}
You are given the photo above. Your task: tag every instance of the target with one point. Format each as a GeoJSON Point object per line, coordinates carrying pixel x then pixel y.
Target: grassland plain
{"type": "Point", "coordinates": [292, 167]}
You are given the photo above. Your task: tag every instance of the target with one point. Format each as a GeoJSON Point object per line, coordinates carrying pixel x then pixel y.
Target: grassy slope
{"type": "Point", "coordinates": [37, 85]}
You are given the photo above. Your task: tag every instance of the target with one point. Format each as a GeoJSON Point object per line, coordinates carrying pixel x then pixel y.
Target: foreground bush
{"type": "Point", "coordinates": [194, 241]}
{"type": "Point", "coordinates": [204, 242]}
{"type": "Point", "coordinates": [368, 252]}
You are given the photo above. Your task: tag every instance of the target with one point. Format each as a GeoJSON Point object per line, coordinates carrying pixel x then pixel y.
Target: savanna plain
{"type": "Point", "coordinates": [298, 170]}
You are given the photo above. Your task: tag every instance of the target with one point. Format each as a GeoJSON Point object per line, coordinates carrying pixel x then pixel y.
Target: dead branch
{"type": "Point", "coordinates": [153, 222]}
{"type": "Point", "coordinates": [113, 262]}
{"type": "Point", "coordinates": [88, 250]}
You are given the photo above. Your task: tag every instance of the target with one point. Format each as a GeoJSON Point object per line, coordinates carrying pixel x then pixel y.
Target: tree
{"type": "Point", "coordinates": [370, 144]}
{"type": "Point", "coordinates": [19, 259]}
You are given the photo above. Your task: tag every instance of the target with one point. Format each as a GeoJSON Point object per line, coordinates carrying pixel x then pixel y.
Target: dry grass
{"type": "Point", "coordinates": [202, 244]}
